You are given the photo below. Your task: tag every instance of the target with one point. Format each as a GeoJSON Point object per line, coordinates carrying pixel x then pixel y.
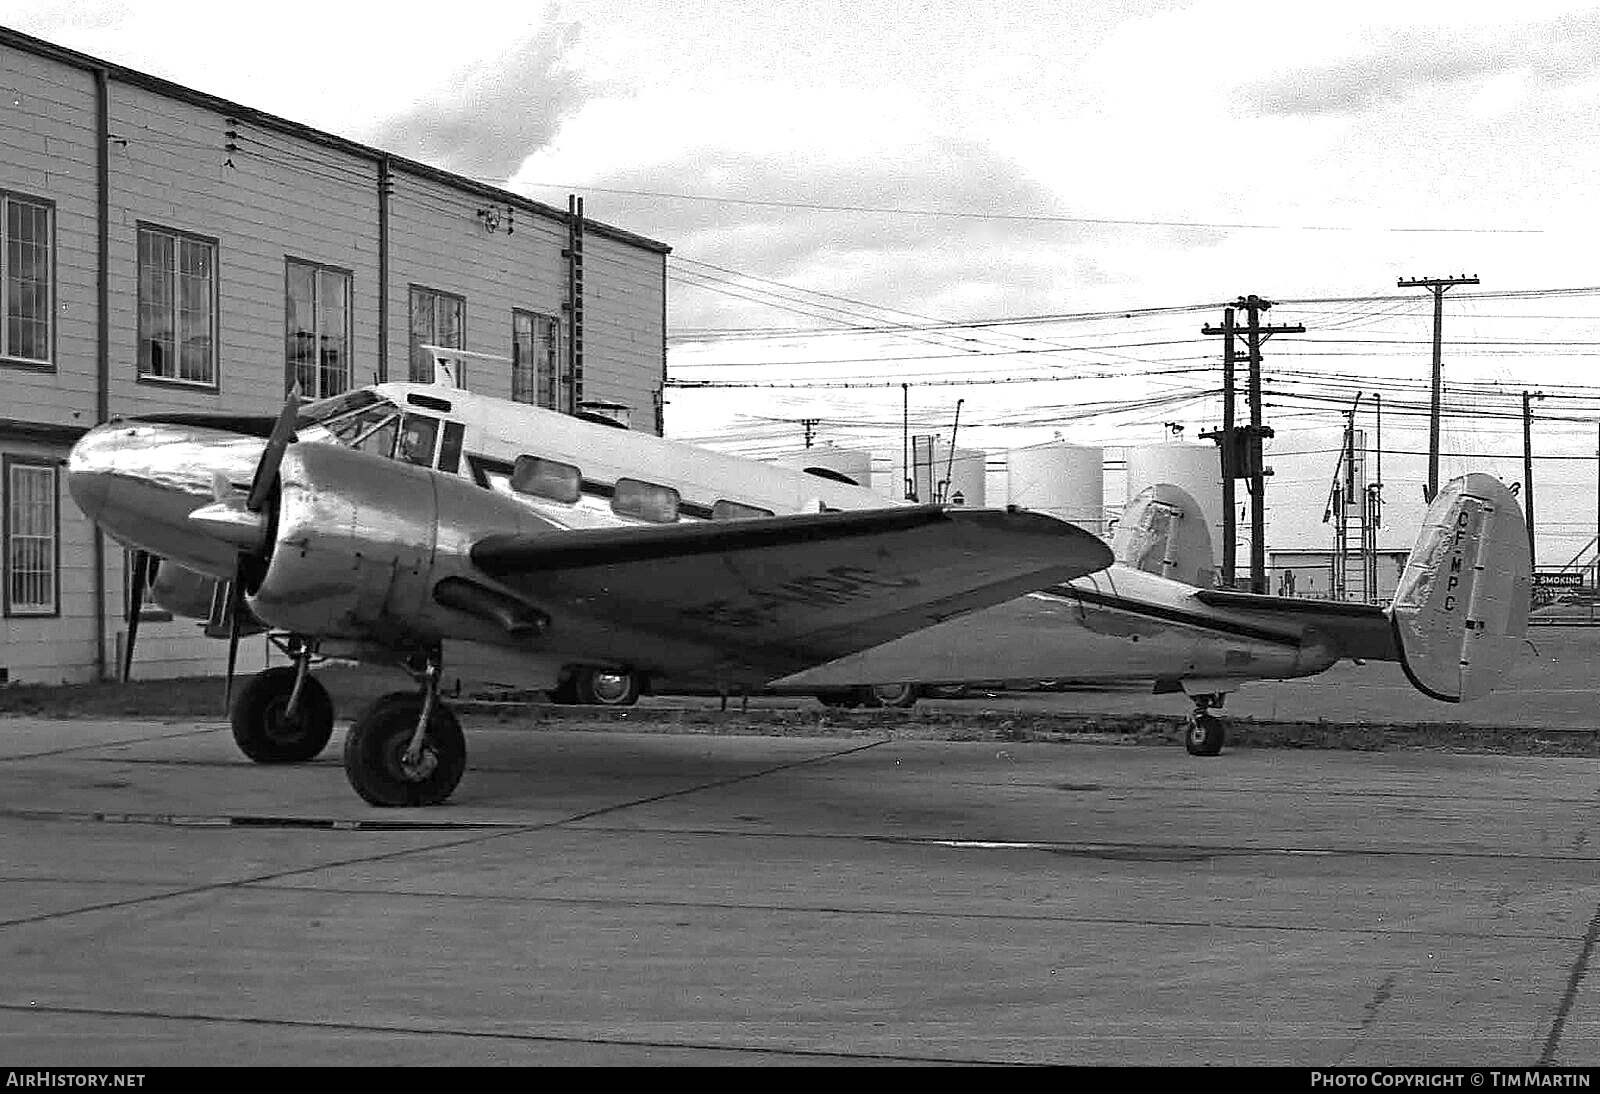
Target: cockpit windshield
{"type": "Point", "coordinates": [324, 409]}
{"type": "Point", "coordinates": [358, 419]}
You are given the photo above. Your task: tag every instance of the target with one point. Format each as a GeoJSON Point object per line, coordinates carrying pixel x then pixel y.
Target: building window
{"type": "Point", "coordinates": [317, 328]}
{"type": "Point", "coordinates": [437, 319]}
{"type": "Point", "coordinates": [535, 361]}
{"type": "Point", "coordinates": [30, 531]}
{"type": "Point", "coordinates": [177, 307]}
{"type": "Point", "coordinates": [27, 234]}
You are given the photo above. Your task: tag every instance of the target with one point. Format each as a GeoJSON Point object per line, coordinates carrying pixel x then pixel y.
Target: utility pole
{"type": "Point", "coordinates": [1242, 448]}
{"type": "Point", "coordinates": [1438, 286]}
{"type": "Point", "coordinates": [810, 425]}
{"type": "Point", "coordinates": [1226, 450]}
{"type": "Point", "coordinates": [1527, 468]}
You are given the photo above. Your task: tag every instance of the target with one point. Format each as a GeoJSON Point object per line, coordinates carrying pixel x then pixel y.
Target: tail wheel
{"type": "Point", "coordinates": [607, 689]}
{"type": "Point", "coordinates": [375, 748]}
{"type": "Point", "coordinates": [265, 734]}
{"type": "Point", "coordinates": [1205, 735]}
{"type": "Point", "coordinates": [895, 695]}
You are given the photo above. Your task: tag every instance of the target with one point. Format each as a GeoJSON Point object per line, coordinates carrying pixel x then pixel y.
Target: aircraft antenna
{"type": "Point", "coordinates": [950, 458]}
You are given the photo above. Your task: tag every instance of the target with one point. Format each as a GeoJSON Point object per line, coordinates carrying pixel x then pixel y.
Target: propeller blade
{"type": "Point", "coordinates": [272, 455]}
{"type": "Point", "coordinates": [141, 576]}
{"type": "Point", "coordinates": [236, 608]}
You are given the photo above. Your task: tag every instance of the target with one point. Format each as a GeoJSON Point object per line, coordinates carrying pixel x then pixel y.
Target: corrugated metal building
{"type": "Point", "coordinates": [165, 250]}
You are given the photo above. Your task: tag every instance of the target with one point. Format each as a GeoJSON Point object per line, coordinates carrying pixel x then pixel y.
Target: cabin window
{"type": "Point", "coordinates": [177, 307]}
{"type": "Point", "coordinates": [419, 436]}
{"type": "Point", "coordinates": [437, 319]}
{"type": "Point", "coordinates": [316, 333]}
{"type": "Point", "coordinates": [547, 479]}
{"type": "Point", "coordinates": [733, 510]}
{"type": "Point", "coordinates": [31, 522]}
{"type": "Point", "coordinates": [450, 451]}
{"type": "Point", "coordinates": [27, 277]}
{"type": "Point", "coordinates": [535, 360]}
{"type": "Point", "coordinates": [645, 500]}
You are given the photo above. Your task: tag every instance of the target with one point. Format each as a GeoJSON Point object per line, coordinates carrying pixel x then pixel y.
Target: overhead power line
{"type": "Point", "coordinates": [1046, 218]}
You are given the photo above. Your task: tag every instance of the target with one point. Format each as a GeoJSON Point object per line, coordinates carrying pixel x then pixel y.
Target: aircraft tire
{"type": "Point", "coordinates": [895, 695]}
{"type": "Point", "coordinates": [596, 687]}
{"type": "Point", "coordinates": [261, 731]}
{"type": "Point", "coordinates": [1205, 735]}
{"type": "Point", "coordinates": [376, 742]}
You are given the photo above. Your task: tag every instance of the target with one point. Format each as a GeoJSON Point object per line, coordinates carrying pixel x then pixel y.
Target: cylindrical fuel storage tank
{"type": "Point", "coordinates": [936, 476]}
{"type": "Point", "coordinates": [1196, 468]}
{"type": "Point", "coordinates": [1065, 480]}
{"type": "Point", "coordinates": [838, 464]}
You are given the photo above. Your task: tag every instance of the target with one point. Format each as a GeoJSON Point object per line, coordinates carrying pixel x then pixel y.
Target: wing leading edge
{"type": "Point", "coordinates": [760, 598]}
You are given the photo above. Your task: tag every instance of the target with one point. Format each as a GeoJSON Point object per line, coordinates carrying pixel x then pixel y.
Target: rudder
{"type": "Point", "coordinates": [1163, 531]}
{"type": "Point", "coordinates": [1460, 613]}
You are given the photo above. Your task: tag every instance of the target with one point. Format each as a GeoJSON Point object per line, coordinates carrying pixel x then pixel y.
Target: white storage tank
{"type": "Point", "coordinates": [1065, 480]}
{"type": "Point", "coordinates": [932, 464]}
{"type": "Point", "coordinates": [1197, 468]}
{"type": "Point", "coordinates": [852, 464]}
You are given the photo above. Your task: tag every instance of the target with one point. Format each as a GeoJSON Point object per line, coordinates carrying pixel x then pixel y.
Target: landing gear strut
{"type": "Point", "coordinates": [283, 715]}
{"type": "Point", "coordinates": [406, 748]}
{"type": "Point", "coordinates": [1206, 734]}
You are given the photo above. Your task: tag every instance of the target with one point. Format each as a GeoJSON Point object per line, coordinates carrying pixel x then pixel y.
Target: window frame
{"type": "Point", "coordinates": [412, 345]}
{"type": "Point", "coordinates": [11, 463]}
{"type": "Point", "coordinates": [620, 492]}
{"type": "Point", "coordinates": [178, 236]}
{"type": "Point", "coordinates": [290, 368]}
{"type": "Point", "coordinates": [535, 462]}
{"type": "Point", "coordinates": [559, 393]}
{"type": "Point", "coordinates": [7, 358]}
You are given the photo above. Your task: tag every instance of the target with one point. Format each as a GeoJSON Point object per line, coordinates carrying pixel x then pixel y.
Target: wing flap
{"type": "Point", "coordinates": [769, 596]}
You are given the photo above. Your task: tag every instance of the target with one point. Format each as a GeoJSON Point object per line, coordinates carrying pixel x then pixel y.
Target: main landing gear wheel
{"type": "Point", "coordinates": [1205, 735]}
{"type": "Point", "coordinates": [263, 729]}
{"type": "Point", "coordinates": [376, 748]}
{"type": "Point", "coordinates": [895, 695]}
{"type": "Point", "coordinates": [596, 687]}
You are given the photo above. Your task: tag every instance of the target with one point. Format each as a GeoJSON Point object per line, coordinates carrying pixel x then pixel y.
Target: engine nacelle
{"type": "Point", "coordinates": [363, 543]}
{"type": "Point", "coordinates": [183, 591]}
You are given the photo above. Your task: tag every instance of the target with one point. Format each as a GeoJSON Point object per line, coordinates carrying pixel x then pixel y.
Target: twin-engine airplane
{"type": "Point", "coordinates": [1456, 624]}
{"type": "Point", "coordinates": [402, 522]}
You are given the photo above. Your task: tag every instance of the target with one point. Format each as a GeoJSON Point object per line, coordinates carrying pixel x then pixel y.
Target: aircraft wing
{"type": "Point", "coordinates": [1359, 631]}
{"type": "Point", "coordinates": [760, 598]}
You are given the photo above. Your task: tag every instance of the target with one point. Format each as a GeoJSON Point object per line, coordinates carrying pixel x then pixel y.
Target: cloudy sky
{"type": "Point", "coordinates": [961, 197]}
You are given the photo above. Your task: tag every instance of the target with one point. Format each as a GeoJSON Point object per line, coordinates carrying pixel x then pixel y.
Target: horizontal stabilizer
{"type": "Point", "coordinates": [1460, 612]}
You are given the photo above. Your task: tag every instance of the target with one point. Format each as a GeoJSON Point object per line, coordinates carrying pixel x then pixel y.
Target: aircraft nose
{"type": "Point", "coordinates": [140, 481]}
{"type": "Point", "coordinates": [90, 465]}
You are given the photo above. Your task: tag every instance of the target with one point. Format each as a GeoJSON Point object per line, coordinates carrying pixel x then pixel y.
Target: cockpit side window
{"type": "Point", "coordinates": [371, 430]}
{"type": "Point", "coordinates": [419, 437]}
